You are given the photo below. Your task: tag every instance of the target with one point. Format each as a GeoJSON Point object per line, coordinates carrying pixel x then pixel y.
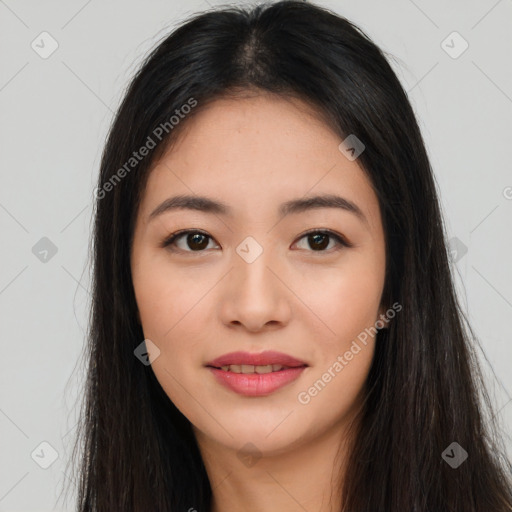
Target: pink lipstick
{"type": "Point", "coordinates": [258, 374]}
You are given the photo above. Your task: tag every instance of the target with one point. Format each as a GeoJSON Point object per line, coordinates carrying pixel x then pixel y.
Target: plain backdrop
{"type": "Point", "coordinates": [55, 113]}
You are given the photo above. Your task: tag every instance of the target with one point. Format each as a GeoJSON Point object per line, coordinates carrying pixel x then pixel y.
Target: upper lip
{"type": "Point", "coordinates": [260, 359]}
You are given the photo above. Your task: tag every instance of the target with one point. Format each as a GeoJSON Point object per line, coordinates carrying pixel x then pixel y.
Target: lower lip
{"type": "Point", "coordinates": [256, 384]}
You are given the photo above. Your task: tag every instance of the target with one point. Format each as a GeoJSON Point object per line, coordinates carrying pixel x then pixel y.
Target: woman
{"type": "Point", "coordinates": [274, 324]}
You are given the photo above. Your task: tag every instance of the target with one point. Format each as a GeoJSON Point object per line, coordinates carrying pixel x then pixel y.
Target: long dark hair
{"type": "Point", "coordinates": [425, 389]}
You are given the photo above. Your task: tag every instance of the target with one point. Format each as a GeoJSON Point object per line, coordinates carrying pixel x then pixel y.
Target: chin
{"type": "Point", "coordinates": [263, 438]}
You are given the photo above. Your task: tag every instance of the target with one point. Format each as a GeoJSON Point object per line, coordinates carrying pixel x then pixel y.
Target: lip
{"type": "Point", "coordinates": [256, 384]}
{"type": "Point", "coordinates": [260, 359]}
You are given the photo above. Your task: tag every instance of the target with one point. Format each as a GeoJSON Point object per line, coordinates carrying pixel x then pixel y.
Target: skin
{"type": "Point", "coordinates": [253, 154]}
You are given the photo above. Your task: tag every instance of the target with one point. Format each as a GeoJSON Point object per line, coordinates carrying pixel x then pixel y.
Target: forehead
{"type": "Point", "coordinates": [256, 152]}
{"type": "Point", "coordinates": [263, 125]}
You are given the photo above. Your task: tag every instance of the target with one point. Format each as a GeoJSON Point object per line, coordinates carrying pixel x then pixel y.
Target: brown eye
{"type": "Point", "coordinates": [319, 240]}
{"type": "Point", "coordinates": [196, 241]}
{"type": "Point", "coordinates": [188, 241]}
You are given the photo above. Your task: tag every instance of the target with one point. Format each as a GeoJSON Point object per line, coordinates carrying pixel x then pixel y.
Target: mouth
{"type": "Point", "coordinates": [256, 374]}
{"type": "Point", "coordinates": [262, 362]}
{"type": "Point", "coordinates": [249, 369]}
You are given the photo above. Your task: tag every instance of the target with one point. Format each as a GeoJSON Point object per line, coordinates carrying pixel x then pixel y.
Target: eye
{"type": "Point", "coordinates": [195, 240]}
{"type": "Point", "coordinates": [318, 240]}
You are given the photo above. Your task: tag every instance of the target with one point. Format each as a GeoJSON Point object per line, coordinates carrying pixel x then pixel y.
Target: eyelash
{"type": "Point", "coordinates": [168, 242]}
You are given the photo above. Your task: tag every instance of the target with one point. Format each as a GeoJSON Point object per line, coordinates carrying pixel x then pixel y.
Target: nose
{"type": "Point", "coordinates": [255, 295]}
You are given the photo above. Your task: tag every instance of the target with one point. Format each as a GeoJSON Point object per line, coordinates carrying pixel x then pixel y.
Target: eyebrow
{"type": "Point", "coordinates": [208, 205]}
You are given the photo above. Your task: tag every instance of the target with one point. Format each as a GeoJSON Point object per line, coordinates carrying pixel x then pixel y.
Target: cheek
{"type": "Point", "coordinates": [334, 392]}
{"type": "Point", "coordinates": [168, 299]}
{"type": "Point", "coordinates": [348, 305]}
{"type": "Point", "coordinates": [346, 302]}
{"type": "Point", "coordinates": [172, 313]}
{"type": "Point", "coordinates": [173, 306]}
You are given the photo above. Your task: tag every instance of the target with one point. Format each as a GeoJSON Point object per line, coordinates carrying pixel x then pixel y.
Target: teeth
{"type": "Point", "coordinates": [264, 369]}
{"type": "Point", "coordinates": [250, 368]}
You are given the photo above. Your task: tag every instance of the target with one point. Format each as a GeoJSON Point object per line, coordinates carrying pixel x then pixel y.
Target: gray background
{"type": "Point", "coordinates": [55, 116]}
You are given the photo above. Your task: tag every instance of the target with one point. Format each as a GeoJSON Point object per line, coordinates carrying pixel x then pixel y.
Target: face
{"type": "Point", "coordinates": [306, 281]}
